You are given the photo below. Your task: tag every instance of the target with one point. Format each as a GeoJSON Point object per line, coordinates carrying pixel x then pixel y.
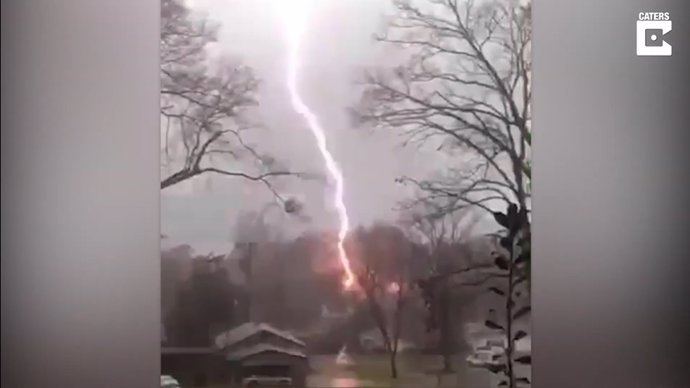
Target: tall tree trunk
{"type": "Point", "coordinates": [509, 319]}
{"type": "Point", "coordinates": [446, 330]}
{"type": "Point", "coordinates": [520, 182]}
{"type": "Point", "coordinates": [396, 330]}
{"type": "Point", "coordinates": [381, 322]}
{"type": "Point", "coordinates": [522, 204]}
{"type": "Point", "coordinates": [394, 365]}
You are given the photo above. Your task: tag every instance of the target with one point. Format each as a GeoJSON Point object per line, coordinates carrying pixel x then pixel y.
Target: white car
{"type": "Point", "coordinates": [266, 381]}
{"type": "Point", "coordinates": [485, 357]}
{"type": "Point", "coordinates": [169, 382]}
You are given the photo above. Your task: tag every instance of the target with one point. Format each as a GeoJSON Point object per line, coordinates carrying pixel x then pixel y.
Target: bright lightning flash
{"type": "Point", "coordinates": [295, 13]}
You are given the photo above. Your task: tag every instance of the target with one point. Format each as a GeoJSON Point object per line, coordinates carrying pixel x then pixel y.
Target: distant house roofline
{"type": "Point", "coordinates": [246, 330]}
{"type": "Point", "coordinates": [375, 334]}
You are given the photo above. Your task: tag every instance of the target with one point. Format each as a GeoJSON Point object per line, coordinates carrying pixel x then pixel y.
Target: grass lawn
{"type": "Point", "coordinates": [375, 370]}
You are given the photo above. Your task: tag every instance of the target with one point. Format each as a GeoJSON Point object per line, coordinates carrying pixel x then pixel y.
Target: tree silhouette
{"type": "Point", "coordinates": [465, 89]}
{"type": "Point", "coordinates": [382, 256]}
{"type": "Point", "coordinates": [513, 259]}
{"type": "Point", "coordinates": [204, 106]}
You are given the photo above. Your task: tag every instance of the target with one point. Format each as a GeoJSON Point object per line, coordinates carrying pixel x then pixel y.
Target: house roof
{"type": "Point", "coordinates": [248, 329]}
{"type": "Point", "coordinates": [375, 334]}
{"type": "Point", "coordinates": [371, 334]}
{"type": "Point", "coordinates": [243, 353]}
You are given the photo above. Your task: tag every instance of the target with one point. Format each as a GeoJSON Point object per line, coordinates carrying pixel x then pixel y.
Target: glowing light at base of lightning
{"type": "Point", "coordinates": [295, 15]}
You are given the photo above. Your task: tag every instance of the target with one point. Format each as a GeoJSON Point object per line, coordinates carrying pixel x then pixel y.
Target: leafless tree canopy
{"type": "Point", "coordinates": [465, 88]}
{"type": "Point", "coordinates": [383, 258]}
{"type": "Point", "coordinates": [204, 104]}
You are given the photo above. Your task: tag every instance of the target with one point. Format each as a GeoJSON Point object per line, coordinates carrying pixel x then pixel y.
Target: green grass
{"type": "Point", "coordinates": [373, 368]}
{"type": "Point", "coordinates": [377, 369]}
{"type": "Point", "coordinates": [414, 371]}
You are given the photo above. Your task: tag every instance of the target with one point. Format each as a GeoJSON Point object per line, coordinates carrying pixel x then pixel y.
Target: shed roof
{"type": "Point", "coordinates": [248, 329]}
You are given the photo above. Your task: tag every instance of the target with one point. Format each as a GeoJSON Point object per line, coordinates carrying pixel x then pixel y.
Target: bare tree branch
{"type": "Point", "coordinates": [466, 82]}
{"type": "Point", "coordinates": [204, 105]}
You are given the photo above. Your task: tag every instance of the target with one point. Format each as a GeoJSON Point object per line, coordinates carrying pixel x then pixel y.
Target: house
{"type": "Point", "coordinates": [249, 349]}
{"type": "Point", "coordinates": [328, 314]}
{"type": "Point", "coordinates": [260, 349]}
{"type": "Point", "coordinates": [372, 341]}
{"type": "Point", "coordinates": [480, 337]}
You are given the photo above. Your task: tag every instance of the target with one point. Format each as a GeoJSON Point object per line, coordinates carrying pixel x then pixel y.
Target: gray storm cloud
{"type": "Point", "coordinates": [339, 44]}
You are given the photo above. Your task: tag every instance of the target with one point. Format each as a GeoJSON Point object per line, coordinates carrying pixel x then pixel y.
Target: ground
{"type": "Point", "coordinates": [373, 371]}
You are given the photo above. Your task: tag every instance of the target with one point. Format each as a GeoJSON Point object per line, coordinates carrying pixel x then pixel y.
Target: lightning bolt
{"type": "Point", "coordinates": [295, 14]}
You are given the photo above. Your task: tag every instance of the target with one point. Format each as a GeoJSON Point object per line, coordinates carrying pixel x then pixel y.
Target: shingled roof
{"type": "Point", "coordinates": [247, 330]}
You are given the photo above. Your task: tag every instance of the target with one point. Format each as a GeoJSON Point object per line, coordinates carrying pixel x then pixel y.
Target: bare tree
{"type": "Point", "coordinates": [465, 87]}
{"type": "Point", "coordinates": [426, 222]}
{"type": "Point", "coordinates": [204, 105]}
{"type": "Point", "coordinates": [383, 255]}
{"type": "Point", "coordinates": [447, 241]}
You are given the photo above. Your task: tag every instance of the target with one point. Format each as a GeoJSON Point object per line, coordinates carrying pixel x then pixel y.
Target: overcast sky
{"type": "Point", "coordinates": [203, 212]}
